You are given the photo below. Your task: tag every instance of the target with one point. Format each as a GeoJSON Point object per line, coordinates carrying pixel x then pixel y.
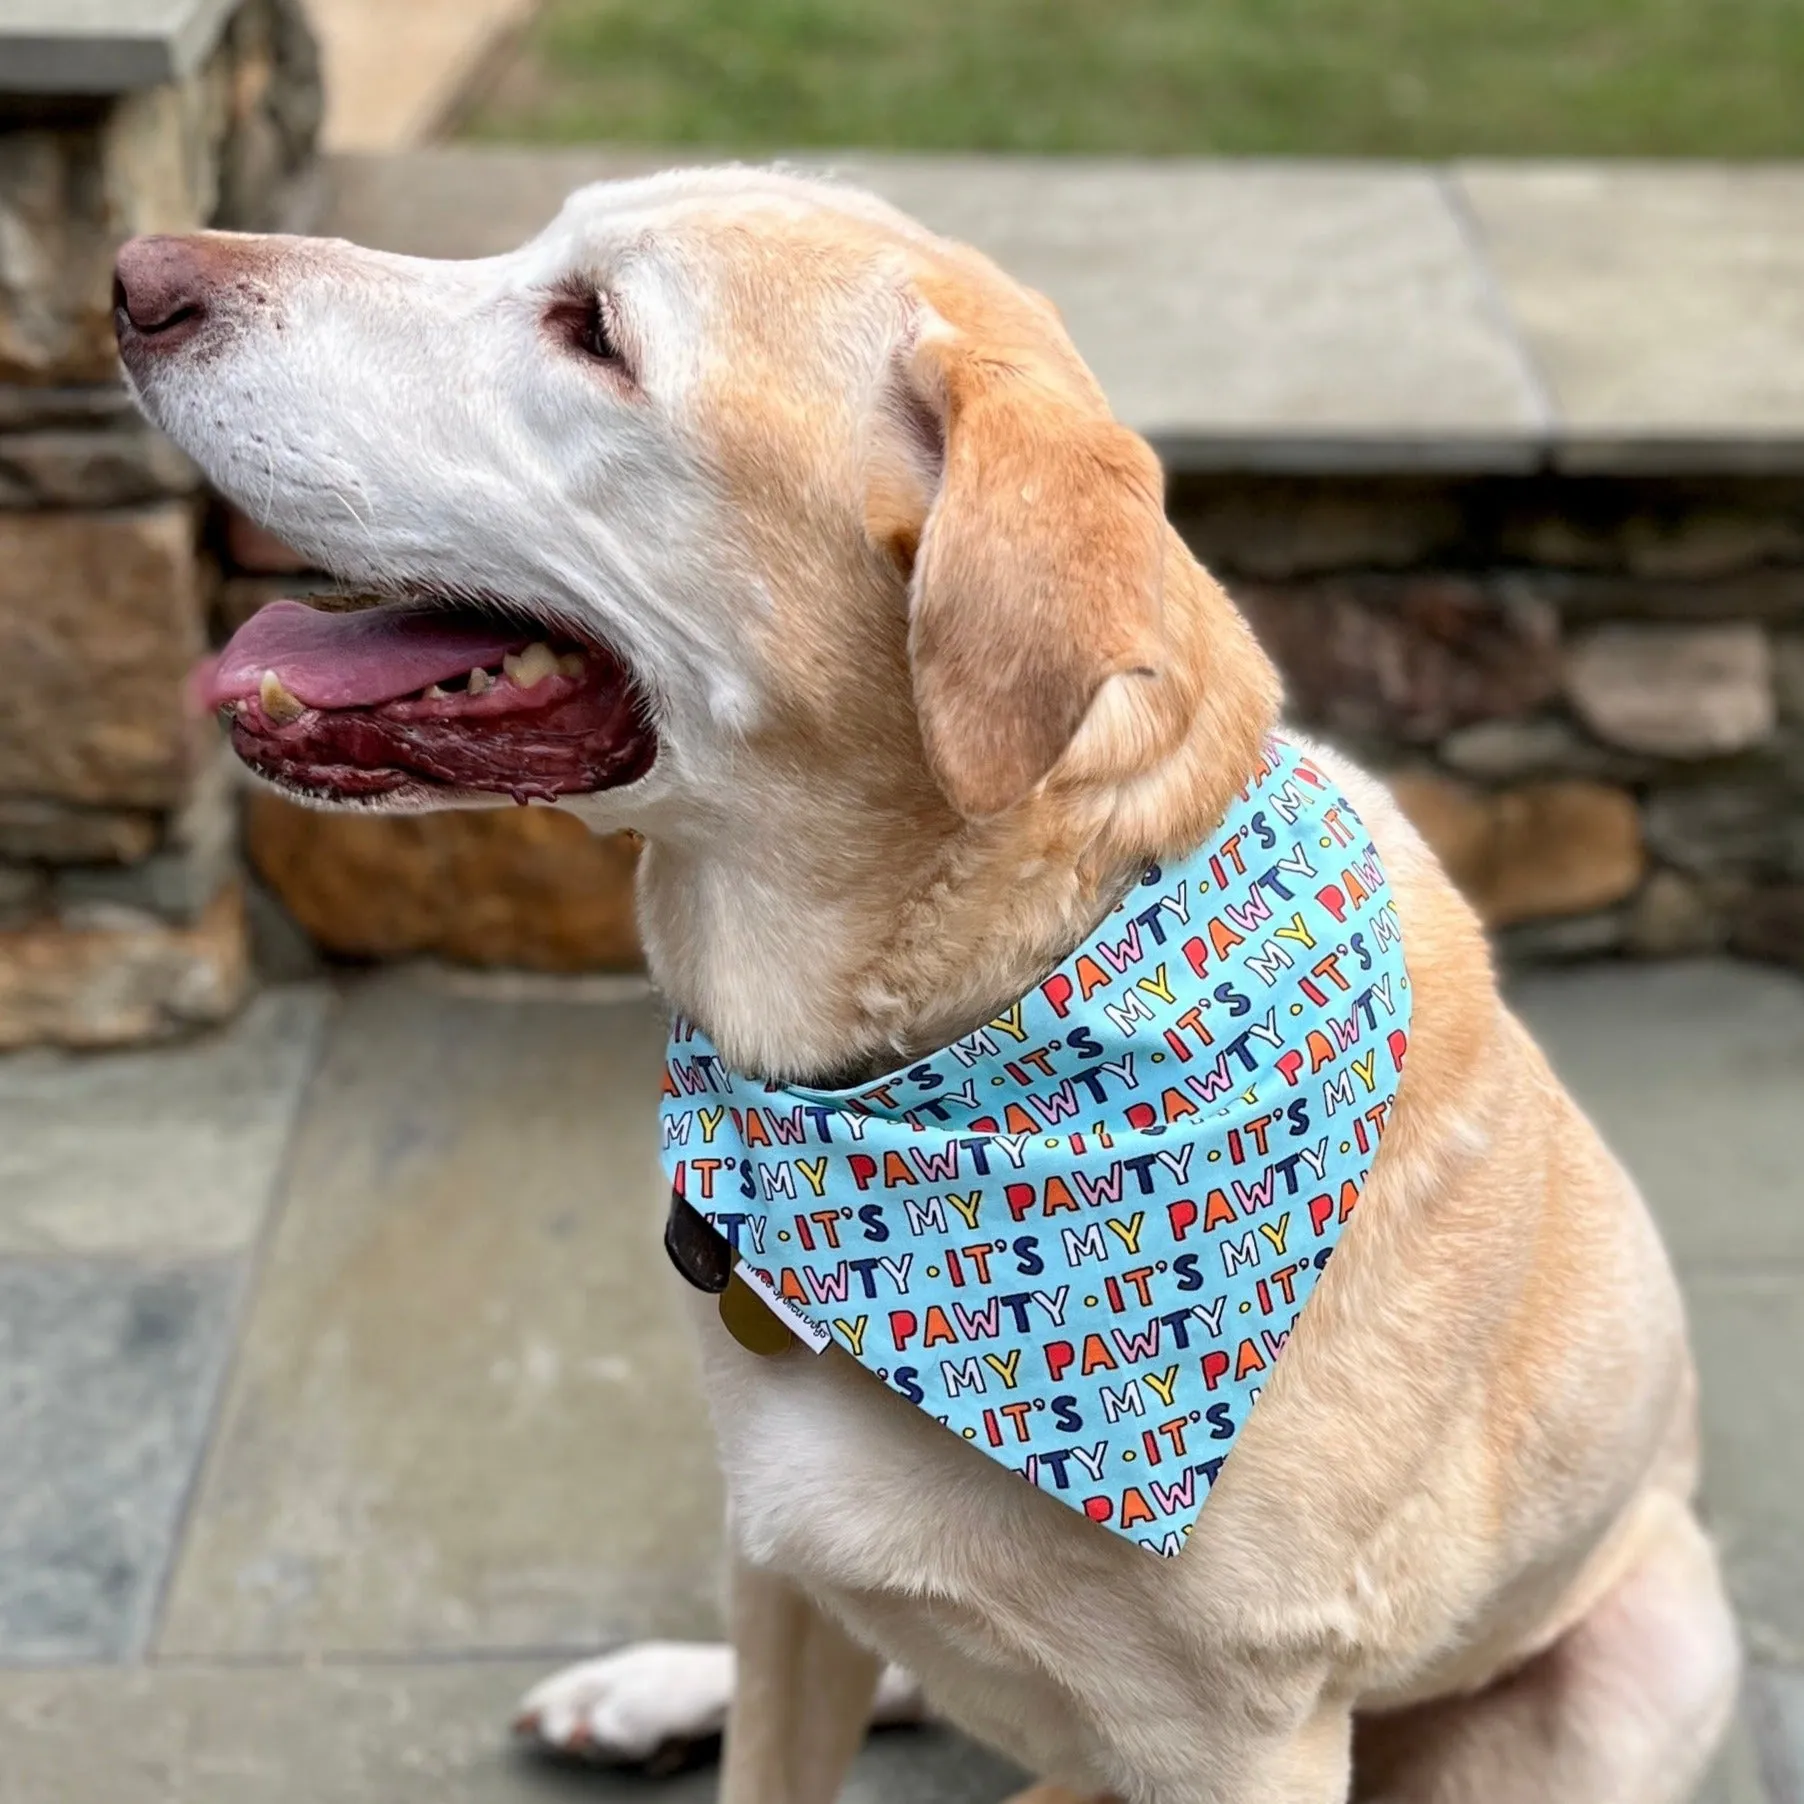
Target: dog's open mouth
{"type": "Point", "coordinates": [342, 706]}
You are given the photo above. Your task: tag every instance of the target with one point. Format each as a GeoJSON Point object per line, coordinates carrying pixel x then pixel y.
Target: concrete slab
{"type": "Point", "coordinates": [1254, 316]}
{"type": "Point", "coordinates": [368, 1735]}
{"type": "Point", "coordinates": [104, 46]}
{"type": "Point", "coordinates": [107, 1381]}
{"type": "Point", "coordinates": [1693, 1072]}
{"type": "Point", "coordinates": [465, 1414]}
{"type": "Point", "coordinates": [168, 1152]}
{"type": "Point", "coordinates": [1748, 1329]}
{"type": "Point", "coordinates": [1658, 301]}
{"type": "Point", "coordinates": [394, 69]}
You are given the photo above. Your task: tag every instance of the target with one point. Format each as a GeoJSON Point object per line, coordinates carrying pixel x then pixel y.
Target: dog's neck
{"type": "Point", "coordinates": [855, 932]}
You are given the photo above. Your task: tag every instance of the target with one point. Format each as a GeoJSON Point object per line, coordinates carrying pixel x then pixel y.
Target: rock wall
{"type": "Point", "coordinates": [1588, 693]}
{"type": "Point", "coordinates": [120, 908]}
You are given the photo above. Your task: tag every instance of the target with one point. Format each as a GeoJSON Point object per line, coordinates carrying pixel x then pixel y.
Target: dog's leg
{"type": "Point", "coordinates": [1626, 1708]}
{"type": "Point", "coordinates": [802, 1698]}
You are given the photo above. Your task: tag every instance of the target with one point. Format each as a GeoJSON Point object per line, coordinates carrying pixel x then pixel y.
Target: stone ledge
{"type": "Point", "coordinates": [1317, 319]}
{"type": "Point", "coordinates": [104, 46]}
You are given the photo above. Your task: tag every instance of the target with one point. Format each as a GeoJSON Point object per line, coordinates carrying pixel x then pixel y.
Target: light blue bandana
{"type": "Point", "coordinates": [1080, 1238]}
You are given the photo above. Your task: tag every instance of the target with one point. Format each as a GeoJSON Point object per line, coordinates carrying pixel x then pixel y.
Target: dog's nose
{"type": "Point", "coordinates": [159, 293]}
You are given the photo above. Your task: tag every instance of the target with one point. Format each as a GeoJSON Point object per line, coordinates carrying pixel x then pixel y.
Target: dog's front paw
{"type": "Point", "coordinates": [642, 1704]}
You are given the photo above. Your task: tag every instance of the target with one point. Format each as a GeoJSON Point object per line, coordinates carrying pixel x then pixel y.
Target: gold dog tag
{"type": "Point", "coordinates": [750, 1322]}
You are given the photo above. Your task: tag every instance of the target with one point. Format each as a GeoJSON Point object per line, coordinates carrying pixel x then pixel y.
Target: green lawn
{"type": "Point", "coordinates": [1325, 77]}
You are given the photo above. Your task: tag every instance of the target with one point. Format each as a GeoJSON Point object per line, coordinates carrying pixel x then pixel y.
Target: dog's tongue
{"type": "Point", "coordinates": [355, 660]}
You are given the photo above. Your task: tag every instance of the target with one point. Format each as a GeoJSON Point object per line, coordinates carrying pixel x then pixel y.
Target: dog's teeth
{"type": "Point", "coordinates": [570, 664]}
{"type": "Point", "coordinates": [530, 667]}
{"type": "Point", "coordinates": [435, 694]}
{"type": "Point", "coordinates": [480, 681]}
{"type": "Point", "coordinates": [278, 704]}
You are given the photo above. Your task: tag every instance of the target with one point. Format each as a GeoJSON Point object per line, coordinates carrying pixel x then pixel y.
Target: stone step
{"type": "Point", "coordinates": [1316, 318]}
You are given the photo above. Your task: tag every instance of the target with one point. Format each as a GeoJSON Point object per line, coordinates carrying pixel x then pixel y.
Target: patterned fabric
{"type": "Point", "coordinates": [1081, 1236]}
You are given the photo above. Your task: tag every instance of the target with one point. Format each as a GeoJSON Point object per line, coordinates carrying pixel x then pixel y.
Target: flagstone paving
{"type": "Point", "coordinates": [465, 1412]}
{"type": "Point", "coordinates": [343, 1390]}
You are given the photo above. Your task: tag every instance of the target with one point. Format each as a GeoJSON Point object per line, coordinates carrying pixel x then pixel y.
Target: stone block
{"type": "Point", "coordinates": [58, 833]}
{"type": "Point", "coordinates": [106, 46]}
{"type": "Point", "coordinates": [24, 894]}
{"type": "Point", "coordinates": [1655, 299]}
{"type": "Point", "coordinates": [270, 64]}
{"type": "Point", "coordinates": [1674, 691]}
{"type": "Point", "coordinates": [1672, 916]}
{"type": "Point", "coordinates": [100, 622]}
{"type": "Point", "coordinates": [178, 880]}
{"type": "Point", "coordinates": [110, 1377]}
{"type": "Point", "coordinates": [466, 1272]}
{"type": "Point", "coordinates": [1278, 528]}
{"type": "Point", "coordinates": [1769, 924]}
{"type": "Point", "coordinates": [1742, 825]}
{"type": "Point", "coordinates": [1569, 940]}
{"type": "Point", "coordinates": [70, 194]}
{"type": "Point", "coordinates": [83, 407]}
{"type": "Point", "coordinates": [1692, 1070]}
{"type": "Point", "coordinates": [1521, 749]}
{"type": "Point", "coordinates": [1409, 657]}
{"type": "Point", "coordinates": [1788, 676]}
{"type": "Point", "coordinates": [1532, 853]}
{"type": "Point", "coordinates": [1771, 595]}
{"type": "Point", "coordinates": [117, 468]}
{"type": "Point", "coordinates": [213, 147]}
{"type": "Point", "coordinates": [114, 977]}
{"type": "Point", "coordinates": [1683, 533]}
{"type": "Point", "coordinates": [1711, 541]}
{"type": "Point", "coordinates": [527, 886]}
{"type": "Point", "coordinates": [155, 1153]}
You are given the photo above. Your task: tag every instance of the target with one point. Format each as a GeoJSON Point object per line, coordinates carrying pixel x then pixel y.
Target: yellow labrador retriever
{"type": "Point", "coordinates": [740, 510]}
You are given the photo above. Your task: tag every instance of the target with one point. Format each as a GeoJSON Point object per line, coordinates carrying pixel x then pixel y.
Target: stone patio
{"type": "Point", "coordinates": [344, 1392]}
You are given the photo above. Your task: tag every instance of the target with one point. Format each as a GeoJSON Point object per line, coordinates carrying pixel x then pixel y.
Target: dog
{"type": "Point", "coordinates": [740, 510]}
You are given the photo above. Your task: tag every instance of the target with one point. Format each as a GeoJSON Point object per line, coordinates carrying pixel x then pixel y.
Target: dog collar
{"type": "Point", "coordinates": [1080, 1237]}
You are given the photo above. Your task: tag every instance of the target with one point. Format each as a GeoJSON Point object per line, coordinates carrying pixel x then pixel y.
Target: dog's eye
{"type": "Point", "coordinates": [597, 331]}
{"type": "Point", "coordinates": [582, 320]}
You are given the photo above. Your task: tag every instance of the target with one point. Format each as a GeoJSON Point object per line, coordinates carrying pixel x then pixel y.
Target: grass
{"type": "Point", "coordinates": [1428, 78]}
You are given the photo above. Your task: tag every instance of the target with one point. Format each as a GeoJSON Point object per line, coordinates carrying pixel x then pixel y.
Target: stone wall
{"type": "Point", "coordinates": [120, 906]}
{"type": "Point", "coordinates": [1588, 693]}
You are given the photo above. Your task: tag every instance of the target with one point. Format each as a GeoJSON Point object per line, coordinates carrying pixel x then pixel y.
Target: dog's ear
{"type": "Point", "coordinates": [1034, 525]}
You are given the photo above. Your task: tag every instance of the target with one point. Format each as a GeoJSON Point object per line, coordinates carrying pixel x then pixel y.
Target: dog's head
{"type": "Point", "coordinates": [731, 493]}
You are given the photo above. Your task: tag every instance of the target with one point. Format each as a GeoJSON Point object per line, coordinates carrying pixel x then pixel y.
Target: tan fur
{"type": "Point", "coordinates": [991, 682]}
{"type": "Point", "coordinates": [1482, 1426]}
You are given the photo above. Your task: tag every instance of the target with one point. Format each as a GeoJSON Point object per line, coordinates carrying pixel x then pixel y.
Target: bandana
{"type": "Point", "coordinates": [1080, 1237]}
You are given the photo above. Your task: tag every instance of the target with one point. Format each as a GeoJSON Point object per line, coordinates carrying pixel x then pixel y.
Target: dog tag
{"type": "Point", "coordinates": [702, 1256]}
{"type": "Point", "coordinates": [750, 1321]}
